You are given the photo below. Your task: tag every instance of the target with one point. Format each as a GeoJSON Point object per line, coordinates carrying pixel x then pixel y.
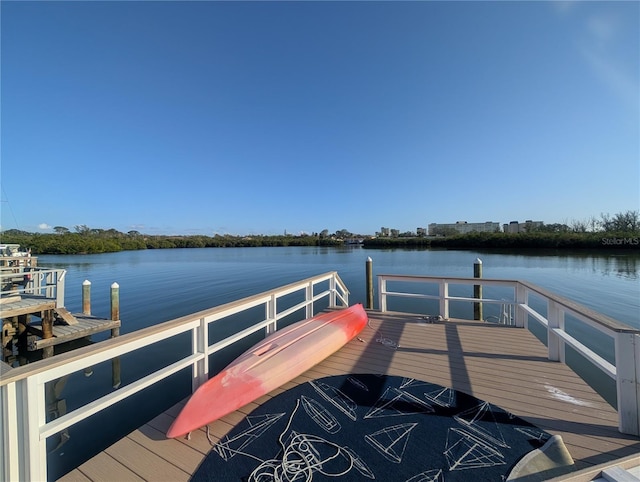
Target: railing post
{"type": "Point", "coordinates": [59, 286]}
{"type": "Point", "coordinates": [477, 290]}
{"type": "Point", "coordinates": [627, 347]}
{"type": "Point", "coordinates": [199, 343]}
{"type": "Point", "coordinates": [309, 299]}
{"type": "Point", "coordinates": [522, 298]}
{"type": "Point", "coordinates": [333, 287]}
{"type": "Point", "coordinates": [382, 293]}
{"type": "Point", "coordinates": [369, 282]}
{"type": "Point", "coordinates": [35, 450]}
{"type": "Point", "coordinates": [444, 299]}
{"type": "Point", "coordinates": [12, 457]}
{"type": "Point", "coordinates": [270, 314]}
{"type": "Point", "coordinates": [50, 276]}
{"type": "Point", "coordinates": [86, 297]}
{"type": "Point", "coordinates": [555, 345]}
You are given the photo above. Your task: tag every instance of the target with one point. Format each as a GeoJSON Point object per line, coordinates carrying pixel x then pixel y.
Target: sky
{"type": "Point", "coordinates": [205, 117]}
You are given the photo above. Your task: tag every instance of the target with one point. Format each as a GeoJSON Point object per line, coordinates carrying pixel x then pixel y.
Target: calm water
{"type": "Point", "coordinates": [159, 285]}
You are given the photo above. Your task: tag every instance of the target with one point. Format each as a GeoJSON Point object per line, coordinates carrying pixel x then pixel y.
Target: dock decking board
{"type": "Point", "coordinates": [26, 304]}
{"type": "Point", "coordinates": [77, 325]}
{"type": "Point", "coordinates": [86, 326]}
{"type": "Point", "coordinates": [503, 365]}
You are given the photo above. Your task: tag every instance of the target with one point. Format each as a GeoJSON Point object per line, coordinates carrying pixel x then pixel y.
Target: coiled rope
{"type": "Point", "coordinates": [298, 461]}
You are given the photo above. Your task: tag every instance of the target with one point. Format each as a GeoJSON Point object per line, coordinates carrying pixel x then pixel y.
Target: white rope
{"type": "Point", "coordinates": [389, 343]}
{"type": "Point", "coordinates": [297, 459]}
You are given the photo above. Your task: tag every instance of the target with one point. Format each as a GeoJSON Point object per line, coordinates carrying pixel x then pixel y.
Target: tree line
{"type": "Point", "coordinates": [622, 230]}
{"type": "Point", "coordinates": [94, 241]}
{"type": "Point", "coordinates": [504, 241]}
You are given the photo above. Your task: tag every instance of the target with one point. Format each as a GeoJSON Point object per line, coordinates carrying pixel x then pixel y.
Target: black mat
{"type": "Point", "coordinates": [365, 427]}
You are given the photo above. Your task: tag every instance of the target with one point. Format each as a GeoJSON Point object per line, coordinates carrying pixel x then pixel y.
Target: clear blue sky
{"type": "Point", "coordinates": [260, 117]}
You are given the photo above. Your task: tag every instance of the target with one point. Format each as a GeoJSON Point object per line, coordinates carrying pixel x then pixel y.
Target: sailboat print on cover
{"type": "Point", "coordinates": [396, 403]}
{"type": "Point", "coordinates": [320, 415]}
{"type": "Point", "coordinates": [465, 450]}
{"type": "Point", "coordinates": [337, 398]}
{"type": "Point", "coordinates": [258, 424]}
{"type": "Point", "coordinates": [482, 420]}
{"type": "Point", "coordinates": [391, 442]}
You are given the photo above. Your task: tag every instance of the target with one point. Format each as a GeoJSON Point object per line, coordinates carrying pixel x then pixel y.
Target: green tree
{"type": "Point", "coordinates": [82, 229]}
{"type": "Point", "coordinates": [626, 222]}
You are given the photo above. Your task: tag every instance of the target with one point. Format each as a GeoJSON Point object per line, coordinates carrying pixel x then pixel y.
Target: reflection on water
{"type": "Point", "coordinates": [610, 263]}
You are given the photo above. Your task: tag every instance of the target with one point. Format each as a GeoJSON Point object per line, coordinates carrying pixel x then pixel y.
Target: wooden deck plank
{"type": "Point", "coordinates": [102, 467]}
{"type": "Point", "coordinates": [76, 476]}
{"type": "Point", "coordinates": [145, 463]}
{"type": "Point", "coordinates": [182, 456]}
{"type": "Point", "coordinates": [505, 366]}
{"type": "Point", "coordinates": [86, 326]}
{"type": "Point", "coordinates": [26, 304]}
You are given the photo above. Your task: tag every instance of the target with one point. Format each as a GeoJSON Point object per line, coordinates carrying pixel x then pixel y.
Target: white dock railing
{"type": "Point", "coordinates": [47, 283]}
{"type": "Point", "coordinates": [626, 370]}
{"type": "Point", "coordinates": [23, 424]}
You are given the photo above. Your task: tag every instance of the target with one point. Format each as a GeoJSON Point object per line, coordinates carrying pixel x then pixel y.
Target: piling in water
{"type": "Point", "coordinates": [86, 297]}
{"type": "Point", "coordinates": [477, 290]}
{"type": "Point", "coordinates": [369, 275]}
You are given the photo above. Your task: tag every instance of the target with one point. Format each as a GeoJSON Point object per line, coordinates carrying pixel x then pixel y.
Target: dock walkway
{"type": "Point", "coordinates": [503, 365]}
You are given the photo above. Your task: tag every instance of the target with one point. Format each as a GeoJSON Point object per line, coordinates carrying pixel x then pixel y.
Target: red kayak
{"type": "Point", "coordinates": [271, 363]}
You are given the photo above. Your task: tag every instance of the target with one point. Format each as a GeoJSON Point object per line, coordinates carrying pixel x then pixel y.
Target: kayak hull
{"type": "Point", "coordinates": [269, 364]}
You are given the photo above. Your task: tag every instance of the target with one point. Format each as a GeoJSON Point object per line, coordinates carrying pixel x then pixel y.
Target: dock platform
{"type": "Point", "coordinates": [20, 304]}
{"type": "Point", "coordinates": [503, 365]}
{"type": "Point", "coordinates": [65, 326]}
{"type": "Point", "coordinates": [86, 325]}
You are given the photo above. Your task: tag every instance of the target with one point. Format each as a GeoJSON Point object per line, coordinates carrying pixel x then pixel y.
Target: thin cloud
{"type": "Point", "coordinates": [599, 44]}
{"type": "Point", "coordinates": [44, 226]}
{"type": "Point", "coordinates": [617, 80]}
{"type": "Point", "coordinates": [602, 28]}
{"type": "Point", "coordinates": [564, 7]}
{"type": "Point", "coordinates": [604, 31]}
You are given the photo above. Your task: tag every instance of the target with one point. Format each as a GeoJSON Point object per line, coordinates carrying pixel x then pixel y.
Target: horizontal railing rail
{"type": "Point", "coordinates": [23, 425]}
{"type": "Point", "coordinates": [626, 340]}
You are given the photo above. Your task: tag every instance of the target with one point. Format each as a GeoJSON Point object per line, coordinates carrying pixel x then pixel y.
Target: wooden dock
{"type": "Point", "coordinates": [63, 325]}
{"type": "Point", "coordinates": [86, 325]}
{"type": "Point", "coordinates": [503, 365]}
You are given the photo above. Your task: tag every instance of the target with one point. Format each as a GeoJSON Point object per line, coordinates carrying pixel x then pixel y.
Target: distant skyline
{"type": "Point", "coordinates": [204, 117]}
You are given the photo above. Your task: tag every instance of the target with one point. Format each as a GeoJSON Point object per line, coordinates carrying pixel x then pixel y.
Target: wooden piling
{"type": "Point", "coordinates": [477, 290]}
{"type": "Point", "coordinates": [47, 324]}
{"type": "Point", "coordinates": [86, 297]}
{"type": "Point", "coordinates": [23, 323]}
{"type": "Point", "coordinates": [115, 301]}
{"type": "Point", "coordinates": [47, 332]}
{"type": "Point", "coordinates": [116, 380]}
{"type": "Point", "coordinates": [369, 276]}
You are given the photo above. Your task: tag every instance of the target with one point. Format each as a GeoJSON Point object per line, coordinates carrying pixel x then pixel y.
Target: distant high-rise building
{"type": "Point", "coordinates": [463, 227]}
{"type": "Point", "coordinates": [516, 227]}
